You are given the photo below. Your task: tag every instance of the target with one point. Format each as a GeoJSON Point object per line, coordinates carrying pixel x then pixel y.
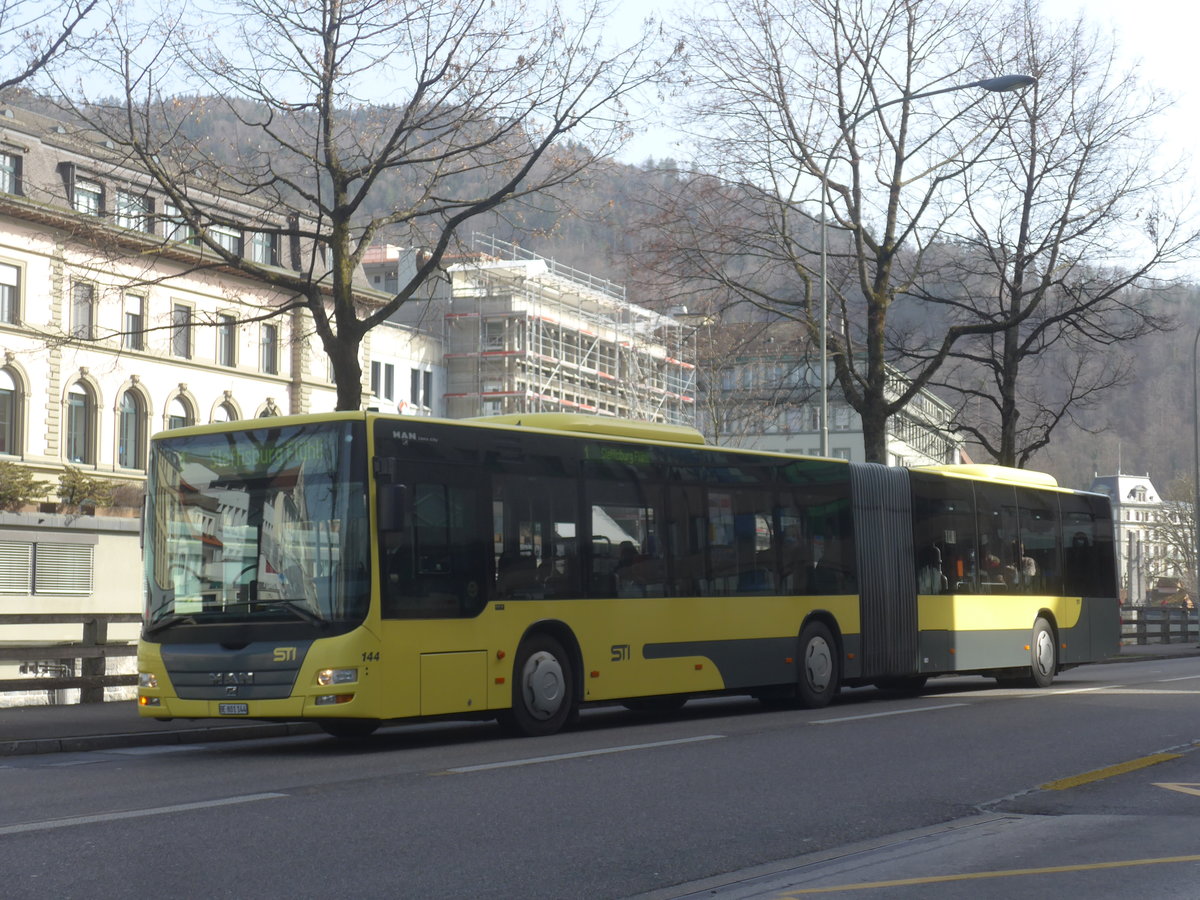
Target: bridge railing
{"type": "Point", "coordinates": [93, 650]}
{"type": "Point", "coordinates": [1159, 625]}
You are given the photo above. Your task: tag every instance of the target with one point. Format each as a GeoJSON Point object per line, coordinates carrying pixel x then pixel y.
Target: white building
{"type": "Point", "coordinates": [1153, 537]}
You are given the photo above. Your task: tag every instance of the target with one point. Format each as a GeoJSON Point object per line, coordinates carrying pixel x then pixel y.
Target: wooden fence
{"type": "Point", "coordinates": [92, 650]}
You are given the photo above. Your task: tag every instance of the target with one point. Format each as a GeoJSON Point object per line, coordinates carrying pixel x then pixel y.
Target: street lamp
{"type": "Point", "coordinates": [1196, 475]}
{"type": "Point", "coordinates": [996, 85]}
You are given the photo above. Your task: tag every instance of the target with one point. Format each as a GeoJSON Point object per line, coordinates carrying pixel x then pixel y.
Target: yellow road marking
{"type": "Point", "coordinates": [1099, 774]}
{"type": "Point", "coordinates": [1004, 873]}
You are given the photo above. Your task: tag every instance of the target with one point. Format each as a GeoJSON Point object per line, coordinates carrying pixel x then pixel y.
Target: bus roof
{"type": "Point", "coordinates": [1003, 474]}
{"type": "Point", "coordinates": [646, 431]}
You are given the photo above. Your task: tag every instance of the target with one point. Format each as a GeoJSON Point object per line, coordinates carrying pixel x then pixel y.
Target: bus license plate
{"type": "Point", "coordinates": [233, 709]}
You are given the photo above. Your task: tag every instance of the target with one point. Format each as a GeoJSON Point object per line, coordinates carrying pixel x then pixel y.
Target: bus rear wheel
{"type": "Point", "coordinates": [543, 691]}
{"type": "Point", "coordinates": [819, 676]}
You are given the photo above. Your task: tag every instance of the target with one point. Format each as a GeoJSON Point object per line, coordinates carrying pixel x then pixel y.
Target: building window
{"type": "Point", "coordinates": [81, 409]}
{"type": "Point", "coordinates": [226, 341]}
{"type": "Point", "coordinates": [10, 173]}
{"type": "Point", "coordinates": [88, 197]}
{"type": "Point", "coordinates": [133, 326]}
{"type": "Point", "coordinates": [10, 409]}
{"type": "Point", "coordinates": [131, 418]}
{"type": "Point", "coordinates": [180, 415]}
{"type": "Point", "coordinates": [174, 226]}
{"type": "Point", "coordinates": [181, 331]}
{"type": "Point", "coordinates": [270, 349]}
{"type": "Point", "coordinates": [83, 309]}
{"type": "Point", "coordinates": [226, 237]}
{"type": "Point", "coordinates": [264, 248]}
{"type": "Point", "coordinates": [46, 568]}
{"type": "Point", "coordinates": [132, 211]}
{"type": "Point", "coordinates": [10, 294]}
{"type": "Point", "coordinates": [422, 389]}
{"type": "Point", "coordinates": [383, 380]}
{"type": "Point", "coordinates": [225, 413]}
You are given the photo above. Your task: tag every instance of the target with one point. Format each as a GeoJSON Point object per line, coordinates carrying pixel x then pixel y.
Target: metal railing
{"type": "Point", "coordinates": [1159, 625]}
{"type": "Point", "coordinates": [92, 650]}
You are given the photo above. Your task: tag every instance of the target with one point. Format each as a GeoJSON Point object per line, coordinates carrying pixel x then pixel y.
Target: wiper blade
{"type": "Point", "coordinates": [165, 623]}
{"type": "Point", "coordinates": [298, 608]}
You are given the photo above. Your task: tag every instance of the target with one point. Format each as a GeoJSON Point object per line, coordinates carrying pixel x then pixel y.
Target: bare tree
{"type": "Point", "coordinates": [754, 373]}
{"type": "Point", "coordinates": [1062, 233]}
{"type": "Point", "coordinates": [832, 104]}
{"type": "Point", "coordinates": [33, 33]}
{"type": "Point", "coordinates": [1175, 534]}
{"type": "Point", "coordinates": [458, 109]}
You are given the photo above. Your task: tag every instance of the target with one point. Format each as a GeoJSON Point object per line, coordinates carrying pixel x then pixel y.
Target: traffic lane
{"type": "Point", "coordinates": [1130, 829]}
{"type": "Point", "coordinates": [627, 820]}
{"type": "Point", "coordinates": [243, 767]}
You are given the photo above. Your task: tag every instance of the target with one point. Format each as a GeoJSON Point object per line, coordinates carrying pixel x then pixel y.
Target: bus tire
{"type": "Point", "coordinates": [1043, 655]}
{"type": "Point", "coordinates": [819, 677]}
{"type": "Point", "coordinates": [543, 688]}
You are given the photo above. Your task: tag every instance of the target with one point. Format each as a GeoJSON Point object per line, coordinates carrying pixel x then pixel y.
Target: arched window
{"type": "Point", "coordinates": [131, 430]}
{"type": "Point", "coordinates": [180, 415]}
{"type": "Point", "coordinates": [10, 414]}
{"type": "Point", "coordinates": [225, 413]}
{"type": "Point", "coordinates": [81, 408]}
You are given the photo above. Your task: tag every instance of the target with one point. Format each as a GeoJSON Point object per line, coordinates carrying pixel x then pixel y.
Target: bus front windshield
{"type": "Point", "coordinates": [265, 525]}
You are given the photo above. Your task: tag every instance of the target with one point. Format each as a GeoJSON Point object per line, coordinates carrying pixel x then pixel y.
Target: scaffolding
{"type": "Point", "coordinates": [526, 334]}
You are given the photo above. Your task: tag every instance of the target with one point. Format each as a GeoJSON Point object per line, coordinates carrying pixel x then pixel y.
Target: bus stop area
{"type": "Point", "coordinates": [105, 726]}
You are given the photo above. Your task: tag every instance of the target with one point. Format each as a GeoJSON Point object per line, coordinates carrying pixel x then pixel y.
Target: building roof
{"type": "Point", "coordinates": [1126, 489]}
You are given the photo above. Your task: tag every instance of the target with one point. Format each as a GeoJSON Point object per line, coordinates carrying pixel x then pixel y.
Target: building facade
{"type": "Point", "coordinates": [526, 334]}
{"type": "Point", "coordinates": [761, 391]}
{"type": "Point", "coordinates": [1154, 537]}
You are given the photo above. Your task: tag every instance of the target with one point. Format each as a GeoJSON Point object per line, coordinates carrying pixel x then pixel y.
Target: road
{"type": "Point", "coordinates": [939, 795]}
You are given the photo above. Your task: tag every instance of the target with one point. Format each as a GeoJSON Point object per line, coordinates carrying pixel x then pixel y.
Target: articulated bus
{"type": "Point", "coordinates": [359, 568]}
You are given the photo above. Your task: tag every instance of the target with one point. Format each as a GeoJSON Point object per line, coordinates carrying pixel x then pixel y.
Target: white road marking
{"type": "Point", "coordinates": [1184, 678]}
{"type": "Point", "coordinates": [880, 715]}
{"type": "Point", "coordinates": [534, 760]}
{"type": "Point", "coordinates": [133, 814]}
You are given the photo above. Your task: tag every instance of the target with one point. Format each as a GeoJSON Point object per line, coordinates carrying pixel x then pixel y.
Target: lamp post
{"type": "Point", "coordinates": [1196, 459]}
{"type": "Point", "coordinates": [996, 85]}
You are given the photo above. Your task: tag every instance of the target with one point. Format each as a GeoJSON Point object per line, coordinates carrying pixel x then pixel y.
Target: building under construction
{"type": "Point", "coordinates": [526, 334]}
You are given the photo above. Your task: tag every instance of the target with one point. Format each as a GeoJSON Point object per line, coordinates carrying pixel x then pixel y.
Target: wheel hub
{"type": "Point", "coordinates": [818, 664]}
{"type": "Point", "coordinates": [543, 684]}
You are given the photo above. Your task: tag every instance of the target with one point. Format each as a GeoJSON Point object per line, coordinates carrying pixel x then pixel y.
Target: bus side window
{"type": "Point", "coordinates": [944, 535]}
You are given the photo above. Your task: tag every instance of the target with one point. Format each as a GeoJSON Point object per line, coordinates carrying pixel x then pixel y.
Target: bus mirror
{"type": "Point", "coordinates": [393, 499]}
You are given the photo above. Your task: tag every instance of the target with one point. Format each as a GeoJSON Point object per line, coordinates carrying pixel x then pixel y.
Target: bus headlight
{"type": "Point", "coordinates": [147, 680]}
{"type": "Point", "coordinates": [337, 676]}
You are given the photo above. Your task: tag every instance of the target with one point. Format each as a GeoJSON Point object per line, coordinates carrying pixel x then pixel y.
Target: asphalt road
{"type": "Point", "coordinates": [940, 795]}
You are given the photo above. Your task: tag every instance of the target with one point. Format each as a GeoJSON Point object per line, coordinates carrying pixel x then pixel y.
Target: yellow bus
{"type": "Point", "coordinates": [356, 568]}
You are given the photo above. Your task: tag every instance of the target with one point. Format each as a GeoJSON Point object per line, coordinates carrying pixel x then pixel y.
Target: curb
{"type": "Point", "coordinates": [85, 743]}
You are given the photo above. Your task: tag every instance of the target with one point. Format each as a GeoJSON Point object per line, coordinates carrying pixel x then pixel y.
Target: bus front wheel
{"type": "Point", "coordinates": [819, 676]}
{"type": "Point", "coordinates": [543, 688]}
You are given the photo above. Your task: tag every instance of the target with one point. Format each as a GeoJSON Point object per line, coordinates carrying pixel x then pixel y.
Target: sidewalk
{"type": "Point", "coordinates": [106, 726]}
